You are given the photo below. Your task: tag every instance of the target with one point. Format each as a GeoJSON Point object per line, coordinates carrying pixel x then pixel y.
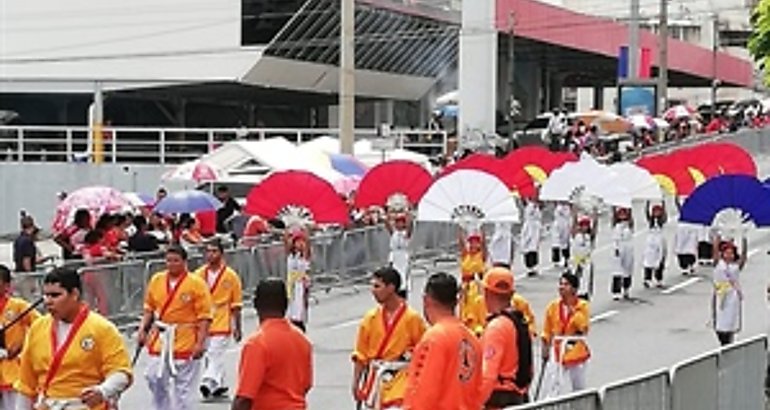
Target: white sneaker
{"type": "Point", "coordinates": [616, 296]}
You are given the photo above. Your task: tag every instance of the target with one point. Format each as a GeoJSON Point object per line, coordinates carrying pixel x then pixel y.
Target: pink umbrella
{"type": "Point", "coordinates": [96, 199]}
{"type": "Point", "coordinates": [679, 111]}
{"type": "Point", "coordinates": [347, 184]}
{"type": "Point", "coordinates": [198, 171]}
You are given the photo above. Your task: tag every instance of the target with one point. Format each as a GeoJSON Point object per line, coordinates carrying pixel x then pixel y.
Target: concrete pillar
{"type": "Point", "coordinates": [478, 66]}
{"type": "Point", "coordinates": [334, 116]}
{"type": "Point", "coordinates": [545, 90]}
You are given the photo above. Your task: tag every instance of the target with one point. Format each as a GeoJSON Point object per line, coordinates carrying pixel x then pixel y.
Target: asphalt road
{"type": "Point", "coordinates": [655, 329]}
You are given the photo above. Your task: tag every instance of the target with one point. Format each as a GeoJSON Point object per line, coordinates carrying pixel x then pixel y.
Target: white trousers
{"type": "Point", "coordinates": [577, 376]}
{"type": "Point", "coordinates": [172, 393]}
{"type": "Point", "coordinates": [8, 400]}
{"type": "Point", "coordinates": [214, 362]}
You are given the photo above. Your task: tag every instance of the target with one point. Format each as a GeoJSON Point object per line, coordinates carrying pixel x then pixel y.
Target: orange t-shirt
{"type": "Point", "coordinates": [226, 295]}
{"type": "Point", "coordinates": [190, 302]}
{"type": "Point", "coordinates": [445, 372]}
{"type": "Point", "coordinates": [276, 369]}
{"type": "Point", "coordinates": [501, 357]}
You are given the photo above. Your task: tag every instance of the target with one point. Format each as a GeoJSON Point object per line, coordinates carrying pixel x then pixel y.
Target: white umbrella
{"type": "Point", "coordinates": [466, 197]}
{"type": "Point", "coordinates": [566, 180]}
{"type": "Point", "coordinates": [197, 170]}
{"type": "Point", "coordinates": [450, 98]}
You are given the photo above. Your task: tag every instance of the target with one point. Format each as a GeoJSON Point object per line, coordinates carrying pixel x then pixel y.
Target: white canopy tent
{"type": "Point", "coordinates": [364, 152]}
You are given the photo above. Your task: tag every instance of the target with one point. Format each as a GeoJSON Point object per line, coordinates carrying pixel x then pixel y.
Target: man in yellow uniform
{"type": "Point", "coordinates": [564, 331]}
{"type": "Point", "coordinates": [386, 337]}
{"type": "Point", "coordinates": [227, 298]}
{"type": "Point", "coordinates": [178, 306]}
{"type": "Point", "coordinates": [73, 357]}
{"type": "Point", "coordinates": [19, 315]}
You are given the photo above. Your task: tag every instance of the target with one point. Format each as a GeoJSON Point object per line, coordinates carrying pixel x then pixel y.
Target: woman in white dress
{"type": "Point", "coordinates": [297, 276]}
{"type": "Point", "coordinates": [623, 242]}
{"type": "Point", "coordinates": [560, 234]}
{"type": "Point", "coordinates": [501, 245]}
{"type": "Point", "coordinates": [686, 247]}
{"type": "Point", "coordinates": [582, 246]}
{"type": "Point", "coordinates": [728, 295]}
{"type": "Point", "coordinates": [530, 236]}
{"type": "Point", "coordinates": [655, 249]}
{"type": "Point", "coordinates": [400, 228]}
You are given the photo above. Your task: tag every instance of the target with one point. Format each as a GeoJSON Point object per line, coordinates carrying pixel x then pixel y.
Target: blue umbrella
{"type": "Point", "coordinates": [741, 192]}
{"type": "Point", "coordinates": [449, 111]}
{"type": "Point", "coordinates": [185, 202]}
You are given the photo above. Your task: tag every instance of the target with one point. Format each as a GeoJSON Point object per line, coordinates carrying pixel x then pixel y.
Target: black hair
{"type": "Point", "coordinates": [388, 276]}
{"type": "Point", "coordinates": [82, 217]}
{"type": "Point", "coordinates": [442, 287]}
{"type": "Point", "coordinates": [140, 222]}
{"type": "Point", "coordinates": [67, 278]}
{"type": "Point", "coordinates": [93, 237]}
{"type": "Point", "coordinates": [177, 250]}
{"type": "Point", "coordinates": [217, 243]}
{"type": "Point", "coordinates": [105, 222]}
{"type": "Point", "coordinates": [5, 274]}
{"type": "Point", "coordinates": [270, 296]}
{"type": "Point", "coordinates": [572, 279]}
{"type": "Point", "coordinates": [223, 188]}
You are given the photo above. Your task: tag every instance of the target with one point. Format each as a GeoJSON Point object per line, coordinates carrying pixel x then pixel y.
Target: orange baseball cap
{"type": "Point", "coordinates": [499, 280]}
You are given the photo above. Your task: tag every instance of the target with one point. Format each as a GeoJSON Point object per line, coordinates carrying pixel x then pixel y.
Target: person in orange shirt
{"type": "Point", "coordinates": [472, 267]}
{"type": "Point", "coordinates": [12, 338]}
{"type": "Point", "coordinates": [507, 345]}
{"type": "Point", "coordinates": [73, 357]}
{"type": "Point", "coordinates": [227, 298]}
{"type": "Point", "coordinates": [276, 368]}
{"type": "Point", "coordinates": [568, 317]}
{"type": "Point", "coordinates": [177, 310]}
{"type": "Point", "coordinates": [386, 337]}
{"type": "Point", "coordinates": [445, 371]}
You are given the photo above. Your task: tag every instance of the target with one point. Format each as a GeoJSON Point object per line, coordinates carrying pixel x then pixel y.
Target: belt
{"type": "Point", "coordinates": [167, 334]}
{"type": "Point", "coordinates": [384, 372]}
{"type": "Point", "coordinates": [60, 404]}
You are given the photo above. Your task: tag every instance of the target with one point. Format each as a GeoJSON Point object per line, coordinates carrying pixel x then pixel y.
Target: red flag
{"type": "Point", "coordinates": [645, 63]}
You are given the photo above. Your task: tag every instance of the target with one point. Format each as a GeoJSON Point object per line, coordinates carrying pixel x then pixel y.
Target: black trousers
{"type": "Point", "coordinates": [657, 272]}
{"type": "Point", "coordinates": [705, 250]}
{"type": "Point", "coordinates": [558, 253]}
{"type": "Point", "coordinates": [531, 259]}
{"type": "Point", "coordinates": [619, 283]}
{"type": "Point", "coordinates": [686, 261]}
{"type": "Point", "coordinates": [725, 338]}
{"type": "Point", "coordinates": [300, 325]}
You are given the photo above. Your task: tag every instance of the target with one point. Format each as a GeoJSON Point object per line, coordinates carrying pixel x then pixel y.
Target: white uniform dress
{"type": "Point", "coordinates": [399, 256]}
{"type": "Point", "coordinates": [686, 240]}
{"type": "Point", "coordinates": [297, 266]}
{"type": "Point", "coordinates": [581, 247]}
{"type": "Point", "coordinates": [654, 249]}
{"type": "Point", "coordinates": [501, 245]}
{"type": "Point", "coordinates": [530, 229]}
{"type": "Point", "coordinates": [562, 227]}
{"type": "Point", "coordinates": [727, 303]}
{"type": "Point", "coordinates": [623, 239]}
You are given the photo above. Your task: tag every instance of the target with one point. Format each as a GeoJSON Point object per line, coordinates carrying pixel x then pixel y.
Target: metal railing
{"type": "Point", "coordinates": [340, 260]}
{"type": "Point", "coordinates": [172, 145]}
{"type": "Point", "coordinates": [731, 377]}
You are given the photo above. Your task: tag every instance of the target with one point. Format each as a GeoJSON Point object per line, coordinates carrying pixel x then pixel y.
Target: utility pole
{"type": "Point", "coordinates": [714, 50]}
{"type": "Point", "coordinates": [511, 74]}
{"type": "Point", "coordinates": [347, 92]}
{"type": "Point", "coordinates": [633, 42]}
{"type": "Point", "coordinates": [663, 59]}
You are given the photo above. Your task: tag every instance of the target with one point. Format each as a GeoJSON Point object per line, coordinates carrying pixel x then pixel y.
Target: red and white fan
{"type": "Point", "coordinates": [397, 185]}
{"type": "Point", "coordinates": [298, 198]}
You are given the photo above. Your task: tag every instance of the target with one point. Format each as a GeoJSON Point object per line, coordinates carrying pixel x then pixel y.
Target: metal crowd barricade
{"type": "Point", "coordinates": [582, 400]}
{"type": "Point", "coordinates": [742, 368]}
{"type": "Point", "coordinates": [115, 290]}
{"type": "Point", "coordinates": [695, 383]}
{"type": "Point", "coordinates": [649, 391]}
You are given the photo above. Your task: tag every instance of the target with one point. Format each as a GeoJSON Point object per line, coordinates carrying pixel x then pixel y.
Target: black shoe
{"type": "Point", "coordinates": [205, 391]}
{"type": "Point", "coordinates": [220, 392]}
{"type": "Point", "coordinates": [532, 273]}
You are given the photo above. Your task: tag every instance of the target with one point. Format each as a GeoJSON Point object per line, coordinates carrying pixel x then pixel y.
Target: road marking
{"type": "Point", "coordinates": [678, 286]}
{"type": "Point", "coordinates": [753, 252]}
{"type": "Point", "coordinates": [604, 316]}
{"type": "Point", "coordinates": [343, 325]}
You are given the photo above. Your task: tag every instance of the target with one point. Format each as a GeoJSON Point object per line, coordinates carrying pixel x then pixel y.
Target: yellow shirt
{"type": "Point", "coordinates": [559, 322]}
{"type": "Point", "coordinates": [190, 302]}
{"type": "Point", "coordinates": [520, 304]}
{"type": "Point", "coordinates": [473, 310]}
{"type": "Point", "coordinates": [95, 352]}
{"type": "Point", "coordinates": [226, 295]}
{"type": "Point", "coordinates": [14, 337]}
{"type": "Point", "coordinates": [472, 264]}
{"type": "Point", "coordinates": [405, 331]}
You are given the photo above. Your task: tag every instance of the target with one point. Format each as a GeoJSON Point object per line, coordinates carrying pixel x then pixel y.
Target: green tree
{"type": "Point", "coordinates": [759, 41]}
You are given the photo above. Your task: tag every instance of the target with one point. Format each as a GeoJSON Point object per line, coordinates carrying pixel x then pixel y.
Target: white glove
{"type": "Point", "coordinates": [3, 354]}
